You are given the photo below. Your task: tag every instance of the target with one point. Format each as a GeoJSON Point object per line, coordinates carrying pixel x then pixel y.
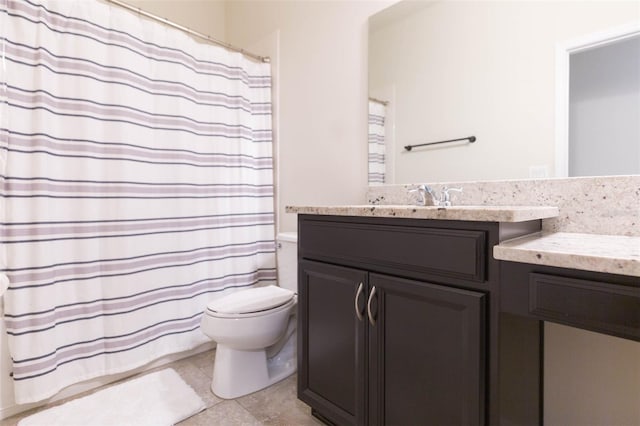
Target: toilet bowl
{"type": "Point", "coordinates": [255, 330]}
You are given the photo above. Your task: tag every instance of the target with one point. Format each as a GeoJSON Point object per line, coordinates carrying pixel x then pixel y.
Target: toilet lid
{"type": "Point", "coordinates": [251, 300]}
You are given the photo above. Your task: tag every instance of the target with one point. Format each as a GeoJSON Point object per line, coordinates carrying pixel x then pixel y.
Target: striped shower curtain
{"type": "Point", "coordinates": [376, 143]}
{"type": "Point", "coordinates": [136, 168]}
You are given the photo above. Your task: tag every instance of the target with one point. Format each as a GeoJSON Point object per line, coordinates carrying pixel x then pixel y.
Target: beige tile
{"type": "Point", "coordinates": [279, 405]}
{"type": "Point", "coordinates": [204, 361]}
{"type": "Point", "coordinates": [226, 413]}
{"type": "Point", "coordinates": [200, 382]}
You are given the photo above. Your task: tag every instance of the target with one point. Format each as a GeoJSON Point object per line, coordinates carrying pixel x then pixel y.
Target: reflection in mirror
{"type": "Point", "coordinates": [605, 81]}
{"type": "Point", "coordinates": [450, 69]}
{"type": "Point", "coordinates": [377, 146]}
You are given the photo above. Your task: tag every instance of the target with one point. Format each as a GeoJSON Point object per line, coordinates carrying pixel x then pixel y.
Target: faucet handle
{"type": "Point", "coordinates": [420, 189]}
{"type": "Point", "coordinates": [447, 189]}
{"type": "Point", "coordinates": [445, 197]}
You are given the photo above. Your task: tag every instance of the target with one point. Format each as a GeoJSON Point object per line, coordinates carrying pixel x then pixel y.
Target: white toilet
{"type": "Point", "coordinates": [255, 330]}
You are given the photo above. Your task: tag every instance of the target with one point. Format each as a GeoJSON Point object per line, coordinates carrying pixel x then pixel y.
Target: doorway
{"type": "Point", "coordinates": [598, 104]}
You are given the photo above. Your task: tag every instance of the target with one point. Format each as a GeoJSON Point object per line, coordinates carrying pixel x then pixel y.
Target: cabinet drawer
{"type": "Point", "coordinates": [437, 251]}
{"type": "Point", "coordinates": [594, 305]}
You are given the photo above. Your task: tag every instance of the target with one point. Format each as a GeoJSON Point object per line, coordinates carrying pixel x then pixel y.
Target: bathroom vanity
{"type": "Point", "coordinates": [406, 317]}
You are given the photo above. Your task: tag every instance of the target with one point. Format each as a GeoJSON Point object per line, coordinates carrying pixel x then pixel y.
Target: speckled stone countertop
{"type": "Point", "coordinates": [607, 205]}
{"type": "Point", "coordinates": [614, 254]}
{"type": "Point", "coordinates": [471, 213]}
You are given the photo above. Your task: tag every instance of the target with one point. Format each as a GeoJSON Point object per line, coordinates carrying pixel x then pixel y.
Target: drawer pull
{"type": "Point", "coordinates": [358, 293]}
{"type": "Point", "coordinates": [372, 320]}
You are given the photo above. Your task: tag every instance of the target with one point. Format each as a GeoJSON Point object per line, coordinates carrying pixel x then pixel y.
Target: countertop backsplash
{"type": "Point", "coordinates": [593, 205]}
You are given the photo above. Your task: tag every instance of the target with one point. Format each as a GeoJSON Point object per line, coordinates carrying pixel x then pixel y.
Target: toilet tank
{"type": "Point", "coordinates": [287, 258]}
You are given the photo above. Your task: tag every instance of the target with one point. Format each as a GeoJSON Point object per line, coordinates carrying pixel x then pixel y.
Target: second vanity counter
{"type": "Point", "coordinates": [612, 254]}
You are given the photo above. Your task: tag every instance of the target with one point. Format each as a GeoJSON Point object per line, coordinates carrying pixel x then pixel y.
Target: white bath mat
{"type": "Point", "coordinates": [160, 398]}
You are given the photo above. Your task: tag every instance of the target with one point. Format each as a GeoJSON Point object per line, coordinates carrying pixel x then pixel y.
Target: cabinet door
{"type": "Point", "coordinates": [426, 354]}
{"type": "Point", "coordinates": [331, 341]}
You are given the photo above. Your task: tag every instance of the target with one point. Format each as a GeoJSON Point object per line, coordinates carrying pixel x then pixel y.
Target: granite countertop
{"type": "Point", "coordinates": [470, 213]}
{"type": "Point", "coordinates": [613, 254]}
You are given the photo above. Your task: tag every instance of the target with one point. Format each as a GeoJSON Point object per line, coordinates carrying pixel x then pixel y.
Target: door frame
{"type": "Point", "coordinates": [563, 51]}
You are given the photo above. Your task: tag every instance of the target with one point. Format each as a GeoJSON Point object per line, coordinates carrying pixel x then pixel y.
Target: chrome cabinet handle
{"type": "Point", "coordinates": [358, 293]}
{"type": "Point", "coordinates": [372, 321]}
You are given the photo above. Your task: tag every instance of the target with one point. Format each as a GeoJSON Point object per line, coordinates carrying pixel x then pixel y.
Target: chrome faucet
{"type": "Point", "coordinates": [422, 191]}
{"type": "Point", "coordinates": [443, 200]}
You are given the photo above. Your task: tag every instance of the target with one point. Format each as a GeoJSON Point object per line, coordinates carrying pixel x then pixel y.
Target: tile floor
{"type": "Point", "coordinates": [276, 405]}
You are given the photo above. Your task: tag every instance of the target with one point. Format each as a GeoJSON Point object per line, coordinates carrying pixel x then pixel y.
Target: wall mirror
{"type": "Point", "coordinates": [454, 69]}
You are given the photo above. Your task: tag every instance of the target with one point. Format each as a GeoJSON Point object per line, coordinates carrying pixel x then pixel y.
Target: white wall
{"type": "Point", "coordinates": [322, 131]}
{"type": "Point", "coordinates": [205, 16]}
{"type": "Point", "coordinates": [483, 68]}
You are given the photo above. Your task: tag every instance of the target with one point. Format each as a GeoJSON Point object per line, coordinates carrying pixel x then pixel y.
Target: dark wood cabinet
{"type": "Point", "coordinates": [394, 320]}
{"type": "Point", "coordinates": [414, 322]}
{"type": "Point", "coordinates": [600, 302]}
{"type": "Point", "coordinates": [426, 360]}
{"type": "Point", "coordinates": [332, 371]}
{"type": "Point", "coordinates": [382, 350]}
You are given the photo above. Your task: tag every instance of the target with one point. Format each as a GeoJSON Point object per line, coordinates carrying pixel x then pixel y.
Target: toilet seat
{"type": "Point", "coordinates": [251, 302]}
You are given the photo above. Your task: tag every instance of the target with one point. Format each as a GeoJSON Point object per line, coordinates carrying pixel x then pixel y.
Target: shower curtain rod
{"type": "Point", "coordinates": [190, 31]}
